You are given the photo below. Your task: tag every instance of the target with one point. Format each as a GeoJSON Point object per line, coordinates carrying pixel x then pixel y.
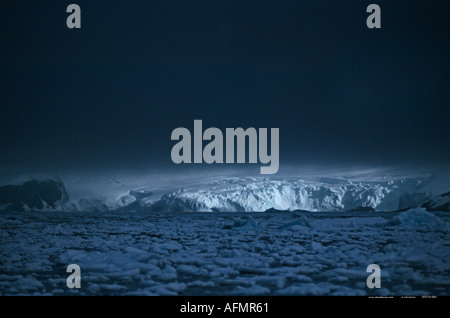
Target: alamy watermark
{"type": "Point", "coordinates": [374, 279]}
{"type": "Point", "coordinates": [73, 21]}
{"type": "Point", "coordinates": [213, 151]}
{"type": "Point", "coordinates": [74, 279]}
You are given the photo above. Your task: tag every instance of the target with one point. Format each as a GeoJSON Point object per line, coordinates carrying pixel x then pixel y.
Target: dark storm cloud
{"type": "Point", "coordinates": [112, 92]}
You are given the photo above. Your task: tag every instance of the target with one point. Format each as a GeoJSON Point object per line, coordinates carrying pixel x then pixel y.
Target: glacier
{"type": "Point", "coordinates": [255, 194]}
{"type": "Point", "coordinates": [259, 194]}
{"type": "Point", "coordinates": [331, 193]}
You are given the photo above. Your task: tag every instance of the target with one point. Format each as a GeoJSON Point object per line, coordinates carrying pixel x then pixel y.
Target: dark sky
{"type": "Point", "coordinates": [110, 94]}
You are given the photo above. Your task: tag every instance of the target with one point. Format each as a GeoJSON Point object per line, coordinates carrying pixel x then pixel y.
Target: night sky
{"type": "Point", "coordinates": [110, 94]}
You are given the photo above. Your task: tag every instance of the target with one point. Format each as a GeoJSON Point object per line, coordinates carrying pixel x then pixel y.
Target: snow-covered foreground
{"type": "Point", "coordinates": [225, 253]}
